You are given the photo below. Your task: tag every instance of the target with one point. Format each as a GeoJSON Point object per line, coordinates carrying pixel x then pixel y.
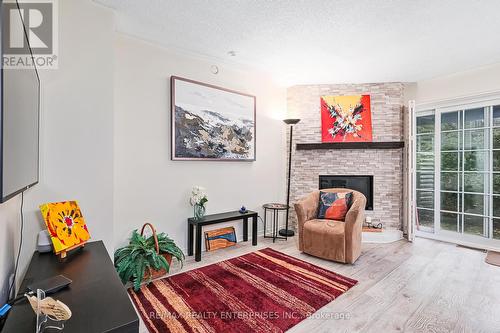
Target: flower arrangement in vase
{"type": "Point", "coordinates": [198, 200]}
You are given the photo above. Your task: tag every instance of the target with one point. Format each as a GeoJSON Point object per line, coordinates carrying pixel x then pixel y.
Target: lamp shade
{"type": "Point", "coordinates": [291, 121]}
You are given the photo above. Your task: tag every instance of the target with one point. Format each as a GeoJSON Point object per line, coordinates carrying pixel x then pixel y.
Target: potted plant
{"type": "Point", "coordinates": [144, 259]}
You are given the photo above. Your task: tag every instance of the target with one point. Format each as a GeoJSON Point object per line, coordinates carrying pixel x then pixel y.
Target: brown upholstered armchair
{"type": "Point", "coordinates": [329, 239]}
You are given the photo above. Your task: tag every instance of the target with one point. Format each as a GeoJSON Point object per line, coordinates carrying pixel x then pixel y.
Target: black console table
{"type": "Point", "coordinates": [96, 297]}
{"type": "Point", "coordinates": [219, 218]}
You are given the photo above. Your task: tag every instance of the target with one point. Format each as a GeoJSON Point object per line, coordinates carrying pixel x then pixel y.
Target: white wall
{"type": "Point", "coordinates": [464, 84]}
{"type": "Point", "coordinates": [76, 137]}
{"type": "Point", "coordinates": [9, 239]}
{"type": "Point", "coordinates": [151, 187]}
{"type": "Point", "coordinates": [78, 142]}
{"type": "Point", "coordinates": [77, 118]}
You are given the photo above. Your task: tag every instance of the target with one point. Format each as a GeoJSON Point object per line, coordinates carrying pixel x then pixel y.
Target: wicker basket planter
{"type": "Point", "coordinates": [152, 274]}
{"type": "Point", "coordinates": [146, 258]}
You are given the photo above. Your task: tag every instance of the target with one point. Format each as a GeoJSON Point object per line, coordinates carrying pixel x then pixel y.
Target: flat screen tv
{"type": "Point", "coordinates": [19, 122]}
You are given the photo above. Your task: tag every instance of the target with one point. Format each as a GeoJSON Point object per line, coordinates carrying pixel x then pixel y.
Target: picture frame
{"type": "Point", "coordinates": [346, 118]}
{"type": "Point", "coordinates": [211, 123]}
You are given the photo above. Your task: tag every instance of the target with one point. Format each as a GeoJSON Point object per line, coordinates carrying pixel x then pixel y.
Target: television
{"type": "Point", "coordinates": [19, 119]}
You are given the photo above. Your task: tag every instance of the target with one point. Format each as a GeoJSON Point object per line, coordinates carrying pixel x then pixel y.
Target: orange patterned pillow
{"type": "Point", "coordinates": [334, 206]}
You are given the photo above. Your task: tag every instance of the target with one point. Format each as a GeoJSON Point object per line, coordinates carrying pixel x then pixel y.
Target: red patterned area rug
{"type": "Point", "coordinates": [263, 291]}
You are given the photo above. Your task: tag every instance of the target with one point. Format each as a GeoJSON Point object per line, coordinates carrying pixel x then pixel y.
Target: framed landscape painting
{"type": "Point", "coordinates": [211, 123]}
{"type": "Point", "coordinates": [346, 118]}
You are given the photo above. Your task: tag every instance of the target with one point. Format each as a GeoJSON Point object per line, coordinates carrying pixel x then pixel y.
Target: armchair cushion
{"type": "Point", "coordinates": [334, 205]}
{"type": "Point", "coordinates": [325, 238]}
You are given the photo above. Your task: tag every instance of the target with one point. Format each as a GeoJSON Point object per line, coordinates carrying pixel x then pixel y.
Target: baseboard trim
{"type": "Point", "coordinates": [464, 243]}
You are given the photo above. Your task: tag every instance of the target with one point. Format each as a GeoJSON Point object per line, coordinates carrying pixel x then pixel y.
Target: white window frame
{"type": "Point", "coordinates": [487, 100]}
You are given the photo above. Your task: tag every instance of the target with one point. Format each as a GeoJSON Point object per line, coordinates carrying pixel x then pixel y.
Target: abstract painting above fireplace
{"type": "Point", "coordinates": [346, 119]}
{"type": "Point", "coordinates": [363, 184]}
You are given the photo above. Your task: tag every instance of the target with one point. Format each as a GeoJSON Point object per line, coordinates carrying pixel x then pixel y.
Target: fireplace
{"type": "Point", "coordinates": [363, 184]}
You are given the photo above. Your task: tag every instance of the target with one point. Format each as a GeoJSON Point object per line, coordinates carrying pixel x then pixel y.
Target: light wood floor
{"type": "Point", "coordinates": [425, 286]}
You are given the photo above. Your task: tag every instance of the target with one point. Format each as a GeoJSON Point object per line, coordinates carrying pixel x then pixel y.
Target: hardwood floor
{"type": "Point", "coordinates": [425, 286]}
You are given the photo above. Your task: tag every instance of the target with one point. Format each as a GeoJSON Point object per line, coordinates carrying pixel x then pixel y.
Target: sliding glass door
{"type": "Point", "coordinates": [458, 173]}
{"type": "Point", "coordinates": [465, 164]}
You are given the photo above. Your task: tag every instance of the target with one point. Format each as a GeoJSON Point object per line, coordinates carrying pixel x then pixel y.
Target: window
{"type": "Point", "coordinates": [458, 171]}
{"type": "Point", "coordinates": [425, 172]}
{"type": "Point", "coordinates": [451, 143]}
{"type": "Point", "coordinates": [464, 165]}
{"type": "Point", "coordinates": [495, 174]}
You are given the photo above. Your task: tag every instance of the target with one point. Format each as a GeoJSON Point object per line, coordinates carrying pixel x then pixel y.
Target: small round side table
{"type": "Point", "coordinates": [275, 209]}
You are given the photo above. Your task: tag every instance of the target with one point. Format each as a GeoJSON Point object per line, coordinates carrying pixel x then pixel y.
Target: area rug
{"type": "Point", "coordinates": [493, 258]}
{"type": "Point", "coordinates": [263, 291]}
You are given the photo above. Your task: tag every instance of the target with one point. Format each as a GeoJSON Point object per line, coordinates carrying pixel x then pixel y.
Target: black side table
{"type": "Point", "coordinates": [219, 218]}
{"type": "Point", "coordinates": [275, 209]}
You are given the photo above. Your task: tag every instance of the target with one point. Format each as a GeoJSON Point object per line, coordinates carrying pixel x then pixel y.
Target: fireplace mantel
{"type": "Point", "coordinates": [351, 145]}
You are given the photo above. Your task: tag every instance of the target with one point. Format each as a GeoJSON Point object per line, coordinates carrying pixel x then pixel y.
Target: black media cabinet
{"type": "Point", "coordinates": [97, 298]}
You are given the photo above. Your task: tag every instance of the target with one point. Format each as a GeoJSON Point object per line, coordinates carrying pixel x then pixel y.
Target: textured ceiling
{"type": "Point", "coordinates": [324, 41]}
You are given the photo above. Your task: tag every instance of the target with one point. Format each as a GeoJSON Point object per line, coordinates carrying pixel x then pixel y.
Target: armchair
{"type": "Point", "coordinates": [329, 239]}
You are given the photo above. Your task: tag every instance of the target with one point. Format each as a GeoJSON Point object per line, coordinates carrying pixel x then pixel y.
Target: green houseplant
{"type": "Point", "coordinates": [146, 258]}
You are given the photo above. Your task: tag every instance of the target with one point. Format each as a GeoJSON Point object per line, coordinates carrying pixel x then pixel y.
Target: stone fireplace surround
{"type": "Point", "coordinates": [386, 165]}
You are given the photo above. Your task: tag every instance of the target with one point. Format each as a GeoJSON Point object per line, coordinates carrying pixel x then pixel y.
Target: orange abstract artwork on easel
{"type": "Point", "coordinates": [66, 225]}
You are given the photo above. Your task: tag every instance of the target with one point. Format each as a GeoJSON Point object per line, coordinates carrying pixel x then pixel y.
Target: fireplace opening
{"type": "Point", "coordinates": [363, 184]}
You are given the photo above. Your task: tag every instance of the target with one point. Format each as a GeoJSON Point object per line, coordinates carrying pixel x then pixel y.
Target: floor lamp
{"type": "Point", "coordinates": [287, 232]}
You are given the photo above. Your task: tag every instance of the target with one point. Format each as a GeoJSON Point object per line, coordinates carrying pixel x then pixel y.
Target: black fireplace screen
{"type": "Point", "coordinates": [363, 184]}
